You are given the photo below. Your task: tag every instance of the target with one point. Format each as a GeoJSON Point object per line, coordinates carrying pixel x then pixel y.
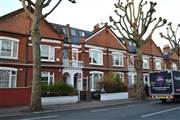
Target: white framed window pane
{"type": "Point", "coordinates": [145, 63]}
{"type": "Point", "coordinates": [6, 48]}
{"type": "Point", "coordinates": [117, 59]}
{"type": "Point", "coordinates": [47, 78]}
{"type": "Point", "coordinates": [15, 48]}
{"type": "Point", "coordinates": [4, 78]}
{"type": "Point", "coordinates": [44, 52]}
{"type": "Point", "coordinates": [131, 62]}
{"type": "Point", "coordinates": [158, 65]}
{"type": "Point", "coordinates": [44, 78]}
{"type": "Point", "coordinates": [51, 79]}
{"type": "Point", "coordinates": [74, 55]}
{"type": "Point", "coordinates": [96, 57]}
{"type": "Point", "coordinates": [51, 54]}
{"type": "Point", "coordinates": [73, 32]}
{"type": "Point", "coordinates": [13, 78]}
{"type": "Point", "coordinates": [91, 82]}
{"type": "Point", "coordinates": [96, 79]}
{"type": "Point", "coordinates": [65, 54]}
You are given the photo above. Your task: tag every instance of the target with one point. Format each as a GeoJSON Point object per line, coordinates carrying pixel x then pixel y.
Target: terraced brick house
{"type": "Point", "coordinates": [16, 51]}
{"type": "Point", "coordinates": [153, 60]}
{"type": "Point", "coordinates": [78, 57]}
{"type": "Point", "coordinates": [170, 58]}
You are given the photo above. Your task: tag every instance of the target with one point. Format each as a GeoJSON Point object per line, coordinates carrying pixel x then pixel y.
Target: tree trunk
{"type": "Point", "coordinates": [36, 86]}
{"type": "Point", "coordinates": [139, 83]}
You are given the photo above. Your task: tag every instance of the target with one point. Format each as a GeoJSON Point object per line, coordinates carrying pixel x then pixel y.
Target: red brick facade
{"type": "Point", "coordinates": [97, 54]}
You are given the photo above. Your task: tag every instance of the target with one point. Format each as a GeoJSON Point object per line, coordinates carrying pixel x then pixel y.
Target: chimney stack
{"type": "Point", "coordinates": [166, 49]}
{"type": "Point", "coordinates": [96, 27]}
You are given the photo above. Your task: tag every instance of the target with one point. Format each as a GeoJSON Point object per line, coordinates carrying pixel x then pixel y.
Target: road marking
{"type": "Point", "coordinates": [160, 112]}
{"type": "Point", "coordinates": [113, 108]}
{"type": "Point", "coordinates": [44, 117]}
{"type": "Point", "coordinates": [99, 110]}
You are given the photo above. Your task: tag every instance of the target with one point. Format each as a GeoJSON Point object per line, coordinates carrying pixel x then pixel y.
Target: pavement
{"type": "Point", "coordinates": [23, 110]}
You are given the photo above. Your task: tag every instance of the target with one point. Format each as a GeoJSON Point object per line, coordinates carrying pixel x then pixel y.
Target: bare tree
{"type": "Point", "coordinates": [135, 22]}
{"type": "Point", "coordinates": [34, 10]}
{"type": "Point", "coordinates": [172, 36]}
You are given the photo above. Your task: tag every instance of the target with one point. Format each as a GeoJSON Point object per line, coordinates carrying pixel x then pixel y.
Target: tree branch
{"type": "Point", "coordinates": [55, 6]}
{"type": "Point", "coordinates": [48, 13]}
{"type": "Point", "coordinates": [26, 9]}
{"type": "Point", "coordinates": [47, 3]}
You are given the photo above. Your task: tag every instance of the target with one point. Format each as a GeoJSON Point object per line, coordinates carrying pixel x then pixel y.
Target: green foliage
{"type": "Point", "coordinates": [58, 89]}
{"type": "Point", "coordinates": [113, 84]}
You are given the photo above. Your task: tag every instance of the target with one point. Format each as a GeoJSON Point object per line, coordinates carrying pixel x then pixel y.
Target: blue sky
{"type": "Point", "coordinates": [86, 13]}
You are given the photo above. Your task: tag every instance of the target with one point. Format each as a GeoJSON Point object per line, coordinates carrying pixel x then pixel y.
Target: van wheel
{"type": "Point", "coordinates": [163, 100]}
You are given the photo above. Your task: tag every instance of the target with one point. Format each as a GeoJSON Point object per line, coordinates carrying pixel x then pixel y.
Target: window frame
{"type": "Point", "coordinates": [13, 41]}
{"type": "Point", "coordinates": [131, 58]}
{"type": "Point", "coordinates": [49, 75]}
{"type": "Point", "coordinates": [10, 77]}
{"type": "Point", "coordinates": [77, 52]}
{"type": "Point", "coordinates": [49, 53]}
{"type": "Point", "coordinates": [121, 74]}
{"type": "Point", "coordinates": [100, 56]}
{"type": "Point", "coordinates": [73, 32]}
{"type": "Point", "coordinates": [157, 61]}
{"type": "Point", "coordinates": [146, 58]}
{"type": "Point", "coordinates": [174, 66]}
{"type": "Point", "coordinates": [93, 86]}
{"type": "Point", "coordinates": [120, 58]}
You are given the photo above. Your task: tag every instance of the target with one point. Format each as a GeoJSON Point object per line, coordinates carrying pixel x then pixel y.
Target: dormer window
{"type": "Point", "coordinates": [81, 33]}
{"type": "Point", "coordinates": [73, 32]}
{"type": "Point", "coordinates": [64, 31]}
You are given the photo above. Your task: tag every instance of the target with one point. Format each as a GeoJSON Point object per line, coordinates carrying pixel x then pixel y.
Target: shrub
{"type": "Point", "coordinates": [113, 84]}
{"type": "Point", "coordinates": [58, 89]}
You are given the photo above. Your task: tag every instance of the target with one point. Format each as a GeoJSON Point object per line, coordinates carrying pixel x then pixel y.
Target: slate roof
{"type": "Point", "coordinates": [131, 47]}
{"type": "Point", "coordinates": [75, 33]}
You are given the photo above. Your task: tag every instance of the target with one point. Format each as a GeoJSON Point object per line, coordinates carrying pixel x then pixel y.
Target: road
{"type": "Point", "coordinates": [147, 110]}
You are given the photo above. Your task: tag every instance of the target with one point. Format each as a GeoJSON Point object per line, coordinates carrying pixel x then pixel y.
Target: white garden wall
{"type": "Point", "coordinates": [114, 96]}
{"type": "Point", "coordinates": [59, 100]}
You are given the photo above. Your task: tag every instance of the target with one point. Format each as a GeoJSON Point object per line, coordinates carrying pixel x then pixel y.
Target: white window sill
{"type": "Point", "coordinates": [96, 64]}
{"type": "Point", "coordinates": [13, 58]}
{"type": "Point", "coordinates": [146, 68]}
{"type": "Point", "coordinates": [118, 65]}
{"type": "Point", "coordinates": [47, 60]}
